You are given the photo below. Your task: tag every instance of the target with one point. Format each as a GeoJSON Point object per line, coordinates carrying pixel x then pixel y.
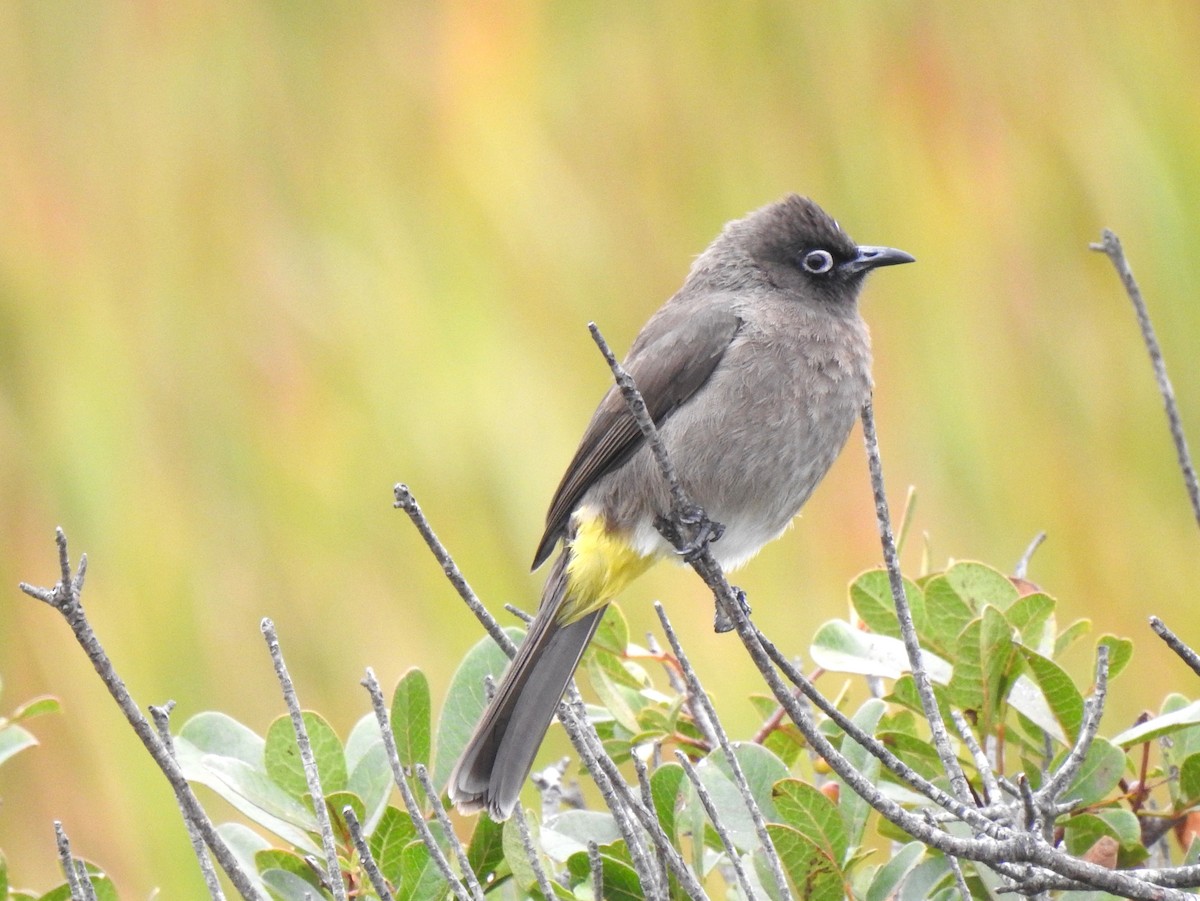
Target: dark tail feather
{"type": "Point", "coordinates": [493, 767]}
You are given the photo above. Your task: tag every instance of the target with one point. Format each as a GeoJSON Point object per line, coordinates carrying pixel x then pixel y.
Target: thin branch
{"type": "Point", "coordinates": [571, 714]}
{"type": "Point", "coordinates": [597, 868]}
{"type": "Point", "coordinates": [162, 724]}
{"type": "Point", "coordinates": [415, 814]}
{"type": "Point", "coordinates": [697, 692]}
{"type": "Point", "coordinates": [1093, 710]}
{"type": "Point", "coordinates": [439, 812]}
{"type": "Point", "coordinates": [1110, 245]}
{"type": "Point", "coordinates": [991, 788]}
{"type": "Point", "coordinates": [309, 762]}
{"type": "Point", "coordinates": [618, 796]}
{"type": "Point", "coordinates": [1022, 566]}
{"type": "Point", "coordinates": [637, 408]}
{"type": "Point", "coordinates": [531, 855]}
{"type": "Point", "coordinates": [714, 817]}
{"type": "Point", "coordinates": [908, 631]}
{"type": "Point", "coordinates": [406, 502]}
{"type": "Point", "coordinates": [65, 598]}
{"type": "Point", "coordinates": [77, 876]}
{"type": "Point", "coordinates": [1176, 644]}
{"type": "Point", "coordinates": [365, 856]}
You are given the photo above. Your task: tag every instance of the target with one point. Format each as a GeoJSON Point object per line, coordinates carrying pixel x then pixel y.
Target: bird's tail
{"type": "Point", "coordinates": [500, 753]}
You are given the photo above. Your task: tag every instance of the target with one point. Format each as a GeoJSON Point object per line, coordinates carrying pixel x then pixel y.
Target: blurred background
{"type": "Point", "coordinates": [258, 262]}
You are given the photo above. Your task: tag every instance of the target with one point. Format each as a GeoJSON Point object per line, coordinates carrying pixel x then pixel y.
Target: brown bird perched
{"type": "Point", "coordinates": [754, 373]}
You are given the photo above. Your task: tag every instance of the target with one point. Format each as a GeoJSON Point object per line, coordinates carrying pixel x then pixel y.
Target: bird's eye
{"type": "Point", "coordinates": [818, 262]}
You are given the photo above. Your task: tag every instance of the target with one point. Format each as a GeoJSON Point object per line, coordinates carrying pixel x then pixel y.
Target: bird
{"type": "Point", "coordinates": [754, 373]}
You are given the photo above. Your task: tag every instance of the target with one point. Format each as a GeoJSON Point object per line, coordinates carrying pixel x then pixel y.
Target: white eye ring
{"type": "Point", "coordinates": [818, 262]}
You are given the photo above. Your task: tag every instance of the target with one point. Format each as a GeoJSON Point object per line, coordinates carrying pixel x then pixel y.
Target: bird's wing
{"type": "Point", "coordinates": [671, 359]}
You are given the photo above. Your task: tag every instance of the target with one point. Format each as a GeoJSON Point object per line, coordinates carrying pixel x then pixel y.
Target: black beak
{"type": "Point", "coordinates": [873, 257]}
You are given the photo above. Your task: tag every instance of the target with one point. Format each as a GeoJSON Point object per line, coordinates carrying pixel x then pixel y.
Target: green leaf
{"type": "Point", "coordinates": [217, 751]}
{"type": "Point", "coordinates": [805, 809]}
{"type": "Point", "coordinates": [611, 680]}
{"type": "Point", "coordinates": [411, 712]}
{"type": "Point", "coordinates": [1066, 703]}
{"type": "Point", "coordinates": [284, 885]}
{"type": "Point", "coordinates": [570, 831]}
{"type": "Point", "coordinates": [1187, 791]}
{"type": "Point", "coordinates": [39, 706]}
{"type": "Point", "coordinates": [985, 656]}
{"type": "Point", "coordinates": [888, 877]}
{"type": "Point", "coordinates": [514, 852]}
{"type": "Point", "coordinates": [917, 751]}
{"type": "Point", "coordinates": [871, 596]}
{"type": "Point", "coordinates": [13, 740]}
{"type": "Point", "coordinates": [1184, 742]}
{"type": "Point", "coordinates": [1179, 719]}
{"type": "Point", "coordinates": [1099, 774]}
{"type": "Point", "coordinates": [841, 648]}
{"type": "Point", "coordinates": [371, 780]}
{"type": "Point", "coordinates": [420, 878]}
{"type": "Point", "coordinates": [925, 879]}
{"type": "Point", "coordinates": [665, 793]}
{"type": "Point", "coordinates": [1120, 652]}
{"type": "Point", "coordinates": [485, 853]}
{"type": "Point", "coordinates": [282, 755]}
{"type": "Point", "coordinates": [612, 635]}
{"type": "Point", "coordinates": [287, 861]}
{"type": "Point", "coordinates": [948, 614]}
{"type": "Point", "coordinates": [762, 770]}
{"type": "Point", "coordinates": [855, 810]}
{"type": "Point", "coordinates": [464, 702]}
{"type": "Point", "coordinates": [394, 832]}
{"type": "Point", "coordinates": [1034, 711]}
{"type": "Point", "coordinates": [102, 886]}
{"type": "Point", "coordinates": [1070, 635]}
{"type": "Point", "coordinates": [245, 843]}
{"type": "Point", "coordinates": [1033, 618]}
{"type": "Point", "coordinates": [979, 585]}
{"type": "Point", "coordinates": [812, 874]}
{"type": "Point", "coordinates": [1085, 829]}
{"type": "Point", "coordinates": [621, 881]}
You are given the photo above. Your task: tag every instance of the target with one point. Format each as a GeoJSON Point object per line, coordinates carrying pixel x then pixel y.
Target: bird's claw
{"type": "Point", "coordinates": [722, 622]}
{"type": "Point", "coordinates": [701, 531]}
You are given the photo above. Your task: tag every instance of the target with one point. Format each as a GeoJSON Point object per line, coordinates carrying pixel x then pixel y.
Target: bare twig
{"type": "Point", "coordinates": [697, 692]}
{"type": "Point", "coordinates": [531, 855]}
{"type": "Point", "coordinates": [714, 817]}
{"type": "Point", "coordinates": [371, 684]}
{"type": "Point", "coordinates": [1093, 710]}
{"type": "Point", "coordinates": [991, 788]}
{"type": "Point", "coordinates": [162, 724]}
{"type": "Point", "coordinates": [1176, 644]}
{"type": "Point", "coordinates": [439, 812]}
{"type": "Point", "coordinates": [406, 502]}
{"type": "Point", "coordinates": [574, 719]}
{"type": "Point", "coordinates": [908, 631]}
{"type": "Point", "coordinates": [65, 598]}
{"type": "Point", "coordinates": [1110, 245]}
{"type": "Point", "coordinates": [1022, 566]}
{"type": "Point", "coordinates": [74, 871]}
{"type": "Point", "coordinates": [597, 867]}
{"type": "Point", "coordinates": [308, 761]}
{"type": "Point", "coordinates": [364, 854]}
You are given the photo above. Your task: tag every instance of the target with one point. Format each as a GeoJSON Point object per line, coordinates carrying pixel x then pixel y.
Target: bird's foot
{"type": "Point", "coordinates": [693, 529]}
{"type": "Point", "coordinates": [722, 622]}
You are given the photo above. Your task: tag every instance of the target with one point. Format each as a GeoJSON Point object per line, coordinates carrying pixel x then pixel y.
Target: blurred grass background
{"type": "Point", "coordinates": [258, 262]}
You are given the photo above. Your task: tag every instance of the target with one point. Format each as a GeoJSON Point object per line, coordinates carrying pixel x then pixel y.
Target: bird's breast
{"type": "Point", "coordinates": [752, 444]}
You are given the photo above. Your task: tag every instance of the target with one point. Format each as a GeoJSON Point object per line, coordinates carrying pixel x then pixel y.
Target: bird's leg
{"type": "Point", "coordinates": [721, 620]}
